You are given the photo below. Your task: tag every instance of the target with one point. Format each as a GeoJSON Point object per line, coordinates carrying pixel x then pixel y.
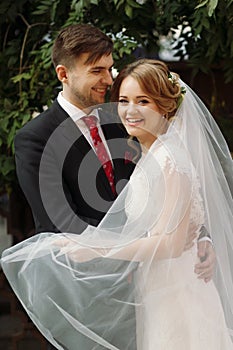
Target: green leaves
{"type": "Point", "coordinates": [130, 6]}
{"type": "Point", "coordinates": [123, 46]}
{"type": "Point", "coordinates": [28, 28]}
{"type": "Point", "coordinates": [6, 165]}
{"type": "Point", "coordinates": [210, 4]}
{"type": "Point", "coordinates": [20, 77]}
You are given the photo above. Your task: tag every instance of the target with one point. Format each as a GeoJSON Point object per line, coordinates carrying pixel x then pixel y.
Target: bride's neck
{"type": "Point", "coordinates": [146, 143]}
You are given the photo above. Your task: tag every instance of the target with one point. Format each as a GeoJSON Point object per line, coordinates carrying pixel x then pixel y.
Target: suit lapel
{"type": "Point", "coordinates": [76, 142]}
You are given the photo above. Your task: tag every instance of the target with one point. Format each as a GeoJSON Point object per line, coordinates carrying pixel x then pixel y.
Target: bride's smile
{"type": "Point", "coordinates": [139, 113]}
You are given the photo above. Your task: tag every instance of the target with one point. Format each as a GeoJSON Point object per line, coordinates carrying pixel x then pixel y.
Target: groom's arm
{"type": "Point", "coordinates": [204, 235]}
{"type": "Point", "coordinates": [205, 268]}
{"type": "Point", "coordinates": [49, 199]}
{"type": "Point", "coordinates": [206, 253]}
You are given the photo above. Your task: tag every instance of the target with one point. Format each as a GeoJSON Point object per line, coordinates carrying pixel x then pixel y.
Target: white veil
{"type": "Point", "coordinates": [93, 291]}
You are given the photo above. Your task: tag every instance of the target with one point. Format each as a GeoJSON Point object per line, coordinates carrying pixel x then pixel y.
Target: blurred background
{"type": "Point", "coordinates": [195, 38]}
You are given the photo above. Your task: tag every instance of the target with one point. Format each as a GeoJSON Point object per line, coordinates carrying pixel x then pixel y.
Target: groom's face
{"type": "Point", "coordinates": [84, 84]}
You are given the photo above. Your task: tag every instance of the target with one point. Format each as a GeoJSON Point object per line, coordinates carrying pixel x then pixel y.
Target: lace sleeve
{"type": "Point", "coordinates": [182, 201]}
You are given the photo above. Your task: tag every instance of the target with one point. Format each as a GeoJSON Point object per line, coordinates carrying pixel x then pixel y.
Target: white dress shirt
{"type": "Point", "coordinates": [76, 115]}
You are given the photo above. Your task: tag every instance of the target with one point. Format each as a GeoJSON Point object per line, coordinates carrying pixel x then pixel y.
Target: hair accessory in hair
{"type": "Point", "coordinates": [172, 78]}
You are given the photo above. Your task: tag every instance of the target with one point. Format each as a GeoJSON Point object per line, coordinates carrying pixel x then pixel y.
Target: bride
{"type": "Point", "coordinates": [181, 184]}
{"type": "Point", "coordinates": [177, 311]}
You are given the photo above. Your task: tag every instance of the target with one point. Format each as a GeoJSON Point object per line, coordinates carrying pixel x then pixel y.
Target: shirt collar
{"type": "Point", "coordinates": [74, 112]}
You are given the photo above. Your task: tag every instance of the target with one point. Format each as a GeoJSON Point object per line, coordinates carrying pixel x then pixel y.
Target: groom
{"type": "Point", "coordinates": [58, 161]}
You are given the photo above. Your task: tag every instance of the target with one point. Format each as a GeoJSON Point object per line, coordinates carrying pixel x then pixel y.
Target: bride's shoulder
{"type": "Point", "coordinates": [172, 155]}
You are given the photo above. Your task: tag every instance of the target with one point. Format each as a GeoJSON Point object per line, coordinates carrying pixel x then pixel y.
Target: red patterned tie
{"type": "Point", "coordinates": [100, 149]}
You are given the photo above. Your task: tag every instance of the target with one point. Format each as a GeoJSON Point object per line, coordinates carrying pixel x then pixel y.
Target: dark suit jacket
{"type": "Point", "coordinates": [60, 174]}
{"type": "Point", "coordinates": [67, 188]}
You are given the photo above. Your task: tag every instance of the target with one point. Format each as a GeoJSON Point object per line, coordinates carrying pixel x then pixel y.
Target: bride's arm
{"type": "Point", "coordinates": [159, 245]}
{"type": "Point", "coordinates": [168, 237]}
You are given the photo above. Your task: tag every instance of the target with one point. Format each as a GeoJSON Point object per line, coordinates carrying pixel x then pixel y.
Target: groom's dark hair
{"type": "Point", "coordinates": [77, 39]}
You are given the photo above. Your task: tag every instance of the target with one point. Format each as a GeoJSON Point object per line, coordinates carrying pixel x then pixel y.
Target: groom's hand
{"type": "Point", "coordinates": [205, 268]}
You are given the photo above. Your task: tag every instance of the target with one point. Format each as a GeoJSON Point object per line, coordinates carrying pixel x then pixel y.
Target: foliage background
{"type": "Point", "coordinates": [28, 28]}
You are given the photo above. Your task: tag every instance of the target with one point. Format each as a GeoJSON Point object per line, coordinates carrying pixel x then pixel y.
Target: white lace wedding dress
{"type": "Point", "coordinates": [176, 310]}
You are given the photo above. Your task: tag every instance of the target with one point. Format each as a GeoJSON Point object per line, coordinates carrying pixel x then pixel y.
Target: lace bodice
{"type": "Point", "coordinates": [155, 179]}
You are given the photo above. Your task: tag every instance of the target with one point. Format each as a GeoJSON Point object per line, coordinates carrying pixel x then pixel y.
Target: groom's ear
{"type": "Point", "coordinates": [62, 73]}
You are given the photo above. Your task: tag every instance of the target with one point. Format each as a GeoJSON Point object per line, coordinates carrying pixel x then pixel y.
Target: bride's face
{"type": "Point", "coordinates": [138, 112]}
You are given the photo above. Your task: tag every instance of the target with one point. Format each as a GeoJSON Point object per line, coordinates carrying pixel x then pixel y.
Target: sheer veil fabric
{"type": "Point", "coordinates": [108, 288]}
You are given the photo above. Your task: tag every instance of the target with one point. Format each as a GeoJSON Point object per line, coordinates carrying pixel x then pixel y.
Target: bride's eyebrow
{"type": "Point", "coordinates": [140, 96]}
{"type": "Point", "coordinates": [122, 96]}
